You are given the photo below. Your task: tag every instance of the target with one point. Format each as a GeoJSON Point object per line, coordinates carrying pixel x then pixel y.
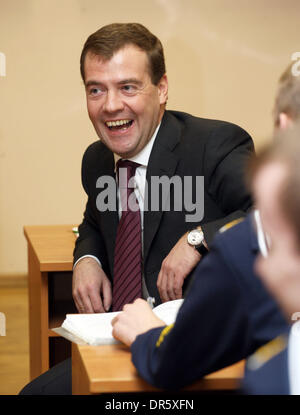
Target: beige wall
{"type": "Point", "coordinates": [223, 59]}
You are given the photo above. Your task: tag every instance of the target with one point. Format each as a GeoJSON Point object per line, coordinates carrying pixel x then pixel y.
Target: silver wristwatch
{"type": "Point", "coordinates": [195, 238]}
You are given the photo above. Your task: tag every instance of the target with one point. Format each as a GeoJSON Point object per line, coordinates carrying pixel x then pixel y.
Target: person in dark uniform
{"type": "Point", "coordinates": [225, 317]}
{"type": "Point", "coordinates": [228, 311]}
{"type": "Point", "coordinates": [275, 368]}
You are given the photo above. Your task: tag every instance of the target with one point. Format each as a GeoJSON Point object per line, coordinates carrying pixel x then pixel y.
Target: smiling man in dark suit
{"type": "Point", "coordinates": [123, 69]}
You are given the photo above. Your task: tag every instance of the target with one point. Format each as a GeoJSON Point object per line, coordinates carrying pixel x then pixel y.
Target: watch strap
{"type": "Point", "coordinates": [201, 249]}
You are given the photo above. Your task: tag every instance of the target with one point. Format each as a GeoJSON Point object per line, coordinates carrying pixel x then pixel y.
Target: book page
{"type": "Point", "coordinates": [168, 311]}
{"type": "Point", "coordinates": [94, 329]}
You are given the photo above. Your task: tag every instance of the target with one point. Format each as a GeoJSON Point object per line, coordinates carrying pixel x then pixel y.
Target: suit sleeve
{"type": "Point", "coordinates": [212, 330]}
{"type": "Point", "coordinates": [227, 152]}
{"type": "Point", "coordinates": [89, 241]}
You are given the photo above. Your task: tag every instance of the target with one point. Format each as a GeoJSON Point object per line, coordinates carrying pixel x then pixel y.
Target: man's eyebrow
{"type": "Point", "coordinates": [123, 82]}
{"type": "Point", "coordinates": [91, 82]}
{"type": "Point", "coordinates": [130, 81]}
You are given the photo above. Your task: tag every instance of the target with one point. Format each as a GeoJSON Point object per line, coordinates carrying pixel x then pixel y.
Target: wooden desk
{"type": "Point", "coordinates": [108, 369]}
{"type": "Point", "coordinates": [101, 369]}
{"type": "Point", "coordinates": [50, 260]}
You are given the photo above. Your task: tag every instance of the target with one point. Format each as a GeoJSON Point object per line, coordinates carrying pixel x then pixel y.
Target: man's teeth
{"type": "Point", "coordinates": [117, 123]}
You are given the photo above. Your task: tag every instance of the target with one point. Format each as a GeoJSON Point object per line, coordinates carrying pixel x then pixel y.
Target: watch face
{"type": "Point", "coordinates": [195, 237]}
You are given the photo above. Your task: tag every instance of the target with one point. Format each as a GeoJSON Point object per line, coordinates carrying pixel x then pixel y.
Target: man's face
{"type": "Point", "coordinates": [280, 271]}
{"type": "Point", "coordinates": [123, 104]}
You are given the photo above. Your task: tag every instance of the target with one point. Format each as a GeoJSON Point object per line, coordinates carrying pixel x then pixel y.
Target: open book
{"type": "Point", "coordinates": [95, 329]}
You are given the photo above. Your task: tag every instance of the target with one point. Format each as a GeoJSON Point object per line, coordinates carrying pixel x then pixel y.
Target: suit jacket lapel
{"type": "Point", "coordinates": [162, 162]}
{"type": "Point", "coordinates": [109, 218]}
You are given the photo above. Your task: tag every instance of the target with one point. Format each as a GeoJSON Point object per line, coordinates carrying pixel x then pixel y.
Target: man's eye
{"type": "Point", "coordinates": [129, 88]}
{"type": "Point", "coordinates": [95, 91]}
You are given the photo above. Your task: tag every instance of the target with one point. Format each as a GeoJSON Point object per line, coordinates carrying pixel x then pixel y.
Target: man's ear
{"type": "Point", "coordinates": [284, 121]}
{"type": "Point", "coordinates": [163, 89]}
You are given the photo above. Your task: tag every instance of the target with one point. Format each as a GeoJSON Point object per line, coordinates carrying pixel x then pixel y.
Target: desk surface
{"type": "Point", "coordinates": [53, 246]}
{"type": "Point", "coordinates": [107, 369]}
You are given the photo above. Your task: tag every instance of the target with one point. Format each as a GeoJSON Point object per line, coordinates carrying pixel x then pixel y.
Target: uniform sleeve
{"type": "Point", "coordinates": [211, 331]}
{"type": "Point", "coordinates": [228, 150]}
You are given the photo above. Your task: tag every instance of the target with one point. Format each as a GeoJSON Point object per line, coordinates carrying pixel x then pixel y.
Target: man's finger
{"type": "Point", "coordinates": [107, 294]}
{"type": "Point", "coordinates": [114, 320]}
{"type": "Point", "coordinates": [170, 286]}
{"type": "Point", "coordinates": [78, 305]}
{"type": "Point", "coordinates": [178, 283]}
{"type": "Point", "coordinates": [96, 302]}
{"type": "Point", "coordinates": [164, 288]}
{"type": "Point", "coordinates": [161, 286]}
{"type": "Point", "coordinates": [86, 303]}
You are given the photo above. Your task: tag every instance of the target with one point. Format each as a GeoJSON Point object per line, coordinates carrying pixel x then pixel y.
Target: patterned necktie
{"type": "Point", "coordinates": [127, 283]}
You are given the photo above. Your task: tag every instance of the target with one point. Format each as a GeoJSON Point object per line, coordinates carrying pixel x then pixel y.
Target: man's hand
{"type": "Point", "coordinates": [92, 291]}
{"type": "Point", "coordinates": [175, 268]}
{"type": "Point", "coordinates": [135, 319]}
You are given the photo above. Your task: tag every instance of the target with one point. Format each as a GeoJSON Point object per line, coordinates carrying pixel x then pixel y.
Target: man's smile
{"type": "Point", "coordinates": [119, 124]}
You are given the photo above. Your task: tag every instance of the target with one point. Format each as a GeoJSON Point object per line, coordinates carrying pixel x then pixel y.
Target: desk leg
{"type": "Point", "coordinates": [38, 316]}
{"type": "Point", "coordinates": [80, 380]}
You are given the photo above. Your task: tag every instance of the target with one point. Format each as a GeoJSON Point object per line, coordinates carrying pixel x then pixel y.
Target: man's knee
{"type": "Point", "coordinates": [56, 381]}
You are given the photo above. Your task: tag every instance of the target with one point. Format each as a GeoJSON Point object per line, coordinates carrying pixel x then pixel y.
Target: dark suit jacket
{"type": "Point", "coordinates": [185, 146]}
{"type": "Point", "coordinates": [227, 315]}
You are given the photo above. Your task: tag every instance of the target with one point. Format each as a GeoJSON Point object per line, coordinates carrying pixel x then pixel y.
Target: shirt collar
{"type": "Point", "coordinates": [143, 156]}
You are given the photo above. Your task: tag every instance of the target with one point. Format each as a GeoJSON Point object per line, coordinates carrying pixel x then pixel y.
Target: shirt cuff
{"type": "Point", "coordinates": [87, 256]}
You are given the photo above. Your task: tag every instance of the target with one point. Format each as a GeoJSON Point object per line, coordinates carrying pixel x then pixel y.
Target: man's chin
{"type": "Point", "coordinates": [122, 151]}
{"type": "Point", "coordinates": [125, 154]}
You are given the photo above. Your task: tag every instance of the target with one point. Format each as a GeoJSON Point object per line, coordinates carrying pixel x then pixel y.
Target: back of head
{"type": "Point", "coordinates": [113, 37]}
{"type": "Point", "coordinates": [287, 100]}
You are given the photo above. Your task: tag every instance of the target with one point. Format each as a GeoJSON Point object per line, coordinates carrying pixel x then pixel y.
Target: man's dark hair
{"type": "Point", "coordinates": [111, 38]}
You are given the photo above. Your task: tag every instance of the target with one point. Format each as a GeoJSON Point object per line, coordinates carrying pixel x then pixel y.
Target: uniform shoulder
{"type": "Point", "coordinates": [266, 371]}
{"type": "Point", "coordinates": [230, 225]}
{"type": "Point", "coordinates": [267, 352]}
{"type": "Point", "coordinates": [236, 237]}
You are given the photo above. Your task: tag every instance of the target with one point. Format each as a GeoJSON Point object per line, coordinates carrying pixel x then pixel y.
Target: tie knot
{"type": "Point", "coordinates": [129, 165]}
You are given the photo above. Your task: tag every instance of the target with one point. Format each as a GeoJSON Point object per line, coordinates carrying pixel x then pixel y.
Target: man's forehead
{"type": "Point", "coordinates": [118, 55]}
{"type": "Point", "coordinates": [127, 62]}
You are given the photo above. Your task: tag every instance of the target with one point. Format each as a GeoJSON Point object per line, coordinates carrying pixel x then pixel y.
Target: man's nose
{"type": "Point", "coordinates": [113, 102]}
